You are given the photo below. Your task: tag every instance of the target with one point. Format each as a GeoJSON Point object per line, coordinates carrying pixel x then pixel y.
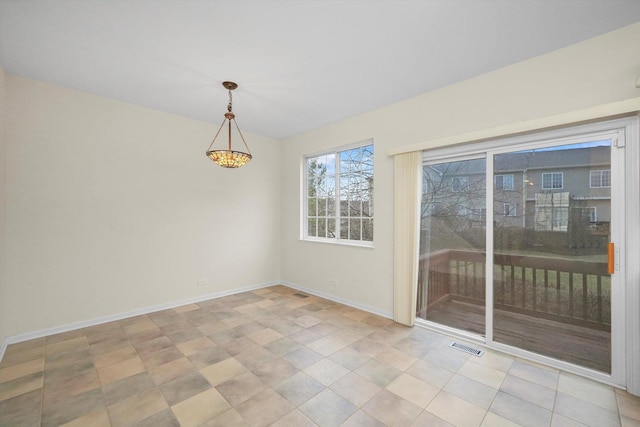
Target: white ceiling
{"type": "Point", "coordinates": [299, 64]}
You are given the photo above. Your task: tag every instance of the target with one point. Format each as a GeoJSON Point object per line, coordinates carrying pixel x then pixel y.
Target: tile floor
{"type": "Point", "coordinates": [275, 357]}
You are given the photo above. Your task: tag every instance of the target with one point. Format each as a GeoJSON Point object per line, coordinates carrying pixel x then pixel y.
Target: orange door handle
{"type": "Point", "coordinates": [611, 258]}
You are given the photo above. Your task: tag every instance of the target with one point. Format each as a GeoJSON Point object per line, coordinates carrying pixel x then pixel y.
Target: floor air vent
{"type": "Point", "coordinates": [466, 349]}
{"type": "Point", "coordinates": [299, 295]}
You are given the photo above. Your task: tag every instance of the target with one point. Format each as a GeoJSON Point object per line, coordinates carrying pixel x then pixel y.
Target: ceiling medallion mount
{"type": "Point", "coordinates": [229, 158]}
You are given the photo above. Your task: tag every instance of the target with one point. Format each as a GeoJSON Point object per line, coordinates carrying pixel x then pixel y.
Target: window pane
{"type": "Point", "coordinates": [322, 227]}
{"type": "Point", "coordinates": [355, 208]}
{"type": "Point", "coordinates": [322, 207]}
{"type": "Point", "coordinates": [344, 228]}
{"type": "Point", "coordinates": [331, 227]}
{"type": "Point", "coordinates": [311, 207]}
{"type": "Point", "coordinates": [367, 230]}
{"type": "Point", "coordinates": [331, 207]}
{"type": "Point", "coordinates": [311, 227]}
{"type": "Point", "coordinates": [354, 229]}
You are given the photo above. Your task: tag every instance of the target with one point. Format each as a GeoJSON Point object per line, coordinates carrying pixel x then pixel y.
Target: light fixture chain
{"type": "Point", "coordinates": [229, 107]}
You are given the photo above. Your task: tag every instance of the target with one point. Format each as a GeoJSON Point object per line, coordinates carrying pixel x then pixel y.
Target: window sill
{"type": "Point", "coordinates": [369, 245]}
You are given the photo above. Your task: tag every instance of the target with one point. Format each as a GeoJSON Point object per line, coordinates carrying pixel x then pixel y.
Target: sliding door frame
{"type": "Point", "coordinates": [625, 339]}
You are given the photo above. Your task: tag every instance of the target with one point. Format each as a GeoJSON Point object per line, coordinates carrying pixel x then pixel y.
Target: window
{"type": "Point", "coordinates": [504, 182]}
{"type": "Point", "coordinates": [339, 196]}
{"type": "Point", "coordinates": [600, 179]}
{"type": "Point", "coordinates": [509, 209]}
{"type": "Point", "coordinates": [552, 181]}
{"type": "Point", "coordinates": [459, 184]}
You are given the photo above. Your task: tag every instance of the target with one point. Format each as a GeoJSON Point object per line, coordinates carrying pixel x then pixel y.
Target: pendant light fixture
{"type": "Point", "coordinates": [229, 158]}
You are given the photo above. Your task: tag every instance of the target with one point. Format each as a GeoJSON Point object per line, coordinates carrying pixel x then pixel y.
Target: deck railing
{"type": "Point", "coordinates": [576, 292]}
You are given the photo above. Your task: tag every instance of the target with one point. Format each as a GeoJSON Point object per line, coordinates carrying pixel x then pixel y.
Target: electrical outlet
{"type": "Point", "coordinates": [333, 282]}
{"type": "Point", "coordinates": [202, 282]}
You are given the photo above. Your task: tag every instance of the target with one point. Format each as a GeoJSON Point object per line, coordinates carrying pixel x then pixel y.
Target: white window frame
{"type": "Point", "coordinates": [509, 209]}
{"type": "Point", "coordinates": [600, 173]}
{"type": "Point", "coordinates": [336, 217]}
{"type": "Point", "coordinates": [552, 174]}
{"type": "Point", "coordinates": [504, 187]}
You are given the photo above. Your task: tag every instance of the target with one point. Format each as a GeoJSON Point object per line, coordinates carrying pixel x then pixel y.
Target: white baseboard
{"type": "Point", "coordinates": [372, 310]}
{"type": "Point", "coordinates": [151, 309]}
{"type": "Point", "coordinates": [146, 310]}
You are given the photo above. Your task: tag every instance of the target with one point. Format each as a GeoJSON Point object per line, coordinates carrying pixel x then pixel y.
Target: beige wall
{"type": "Point", "coordinates": [595, 72]}
{"type": "Point", "coordinates": [3, 157]}
{"type": "Point", "coordinates": [113, 207]}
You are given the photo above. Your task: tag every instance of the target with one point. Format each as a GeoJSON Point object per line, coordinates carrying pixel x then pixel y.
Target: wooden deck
{"type": "Point", "coordinates": [570, 343]}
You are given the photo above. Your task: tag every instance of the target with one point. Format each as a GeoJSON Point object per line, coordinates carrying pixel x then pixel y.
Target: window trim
{"type": "Point", "coordinates": [305, 198]}
{"type": "Point", "coordinates": [502, 175]}
{"type": "Point", "coordinates": [600, 171]}
{"type": "Point", "coordinates": [542, 186]}
{"type": "Point", "coordinates": [512, 211]}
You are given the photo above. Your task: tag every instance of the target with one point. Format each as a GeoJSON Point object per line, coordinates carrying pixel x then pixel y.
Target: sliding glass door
{"type": "Point", "coordinates": [551, 229]}
{"type": "Point", "coordinates": [520, 247]}
{"type": "Point", "coordinates": [452, 244]}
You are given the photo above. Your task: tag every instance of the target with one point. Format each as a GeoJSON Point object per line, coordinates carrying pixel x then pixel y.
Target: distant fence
{"type": "Point", "coordinates": [576, 292]}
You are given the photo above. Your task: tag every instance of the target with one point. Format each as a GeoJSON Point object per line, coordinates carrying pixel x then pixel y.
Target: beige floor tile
{"type": "Point", "coordinates": [299, 388]}
{"type": "Point", "coordinates": [21, 369]}
{"type": "Point", "coordinates": [265, 336]}
{"type": "Point", "coordinates": [241, 388]}
{"type": "Point", "coordinates": [137, 407]}
{"type": "Point", "coordinates": [326, 372]}
{"type": "Point", "coordinates": [483, 374]}
{"type": "Point", "coordinates": [193, 346]}
{"type": "Point", "coordinates": [73, 386]}
{"type": "Point", "coordinates": [427, 419]}
{"type": "Point", "coordinates": [116, 356]}
{"type": "Point", "coordinates": [274, 371]}
{"type": "Point", "coordinates": [171, 370]}
{"type": "Point", "coordinates": [317, 408]}
{"type": "Point", "coordinates": [356, 389]}
{"type": "Point", "coordinates": [57, 412]}
{"type": "Point", "coordinates": [294, 418]}
{"type": "Point", "coordinates": [21, 385]}
{"type": "Point", "coordinates": [535, 373]}
{"type": "Point", "coordinates": [491, 359]}
{"type": "Point", "coordinates": [25, 409]}
{"type": "Point", "coordinates": [430, 373]}
{"type": "Point", "coordinates": [597, 394]}
{"type": "Point", "coordinates": [629, 405]}
{"type": "Point", "coordinates": [99, 418]}
{"type": "Point", "coordinates": [307, 321]}
{"type": "Point", "coordinates": [493, 420]}
{"type": "Point", "coordinates": [391, 409]}
{"type": "Point", "coordinates": [396, 358]}
{"type": "Point", "coordinates": [326, 346]}
{"type": "Point", "coordinates": [186, 308]}
{"type": "Point", "coordinates": [378, 372]}
{"type": "Point", "coordinates": [118, 371]}
{"type": "Point", "coordinates": [13, 358]}
{"type": "Point", "coordinates": [412, 389]}
{"type": "Point", "coordinates": [229, 418]}
{"type": "Point", "coordinates": [456, 411]}
{"type": "Point", "coordinates": [138, 327]}
{"type": "Point", "coordinates": [223, 371]}
{"type": "Point", "coordinates": [528, 391]}
{"type": "Point", "coordinates": [264, 408]}
{"type": "Point", "coordinates": [200, 408]}
{"type": "Point", "coordinates": [73, 344]}
{"type": "Point", "coordinates": [472, 391]}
